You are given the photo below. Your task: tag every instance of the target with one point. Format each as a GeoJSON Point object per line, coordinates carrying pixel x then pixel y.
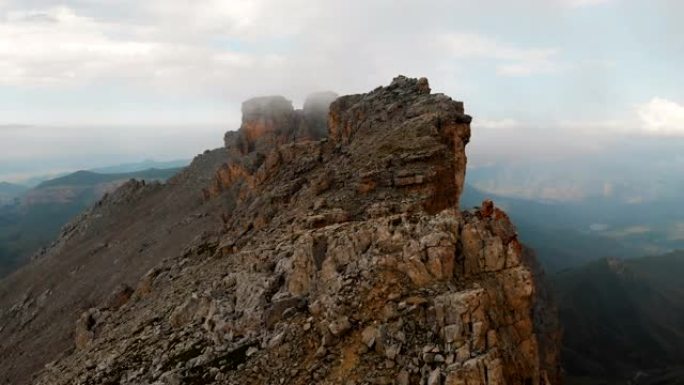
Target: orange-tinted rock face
{"type": "Point", "coordinates": [226, 176]}
{"type": "Point", "coordinates": [269, 119]}
{"type": "Point", "coordinates": [267, 123]}
{"type": "Point", "coordinates": [257, 129]}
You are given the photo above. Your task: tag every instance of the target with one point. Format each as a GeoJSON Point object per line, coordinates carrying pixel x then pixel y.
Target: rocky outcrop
{"type": "Point", "coordinates": [270, 121]}
{"type": "Point", "coordinates": [344, 260]}
{"type": "Point", "coordinates": [267, 123]}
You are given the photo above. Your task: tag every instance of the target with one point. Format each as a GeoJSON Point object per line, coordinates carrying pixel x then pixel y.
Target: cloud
{"type": "Point", "coordinates": [240, 44]}
{"type": "Point", "coordinates": [151, 62]}
{"type": "Point", "coordinates": [661, 117]}
{"type": "Point", "coordinates": [496, 124]}
{"type": "Point", "coordinates": [584, 3]}
{"type": "Point", "coordinates": [559, 191]}
{"type": "Point", "coordinates": [629, 231]}
{"type": "Point", "coordinates": [60, 47]}
{"type": "Point", "coordinates": [57, 46]}
{"type": "Point", "coordinates": [606, 127]}
{"type": "Point", "coordinates": [511, 60]}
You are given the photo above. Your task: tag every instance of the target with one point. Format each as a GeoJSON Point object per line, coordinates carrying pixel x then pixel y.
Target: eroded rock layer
{"type": "Point", "coordinates": [344, 260]}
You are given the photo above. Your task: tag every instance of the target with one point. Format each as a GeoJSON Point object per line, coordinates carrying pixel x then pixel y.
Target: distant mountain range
{"type": "Point", "coordinates": [141, 166]}
{"type": "Point", "coordinates": [624, 320]}
{"type": "Point", "coordinates": [9, 191]}
{"type": "Point", "coordinates": [33, 217]}
{"type": "Point", "coordinates": [569, 234]}
{"type": "Point", "coordinates": [122, 168]}
{"type": "Point", "coordinates": [90, 178]}
{"type": "Point", "coordinates": [11, 188]}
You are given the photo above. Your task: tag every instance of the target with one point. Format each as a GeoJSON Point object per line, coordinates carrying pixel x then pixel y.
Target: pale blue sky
{"type": "Point", "coordinates": [567, 75]}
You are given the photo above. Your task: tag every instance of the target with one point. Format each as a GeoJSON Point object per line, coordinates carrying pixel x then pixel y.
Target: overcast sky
{"type": "Point", "coordinates": [91, 82]}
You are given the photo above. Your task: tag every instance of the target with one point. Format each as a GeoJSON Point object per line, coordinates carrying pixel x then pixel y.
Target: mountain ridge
{"type": "Point", "coordinates": [287, 254]}
{"type": "Point", "coordinates": [10, 191]}
{"type": "Point", "coordinates": [623, 319]}
{"type": "Point", "coordinates": [35, 217]}
{"type": "Point", "coordinates": [85, 177]}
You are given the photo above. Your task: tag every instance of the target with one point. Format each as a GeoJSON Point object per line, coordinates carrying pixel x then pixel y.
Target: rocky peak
{"type": "Point", "coordinates": [265, 119]}
{"type": "Point", "coordinates": [267, 123]}
{"type": "Point", "coordinates": [273, 108]}
{"type": "Point", "coordinates": [403, 100]}
{"type": "Point", "coordinates": [271, 121]}
{"type": "Point", "coordinates": [407, 138]}
{"type": "Point", "coordinates": [344, 260]}
{"type": "Point", "coordinates": [404, 84]}
{"type": "Point", "coordinates": [395, 149]}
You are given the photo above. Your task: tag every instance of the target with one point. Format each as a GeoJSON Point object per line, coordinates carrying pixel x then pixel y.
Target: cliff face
{"type": "Point", "coordinates": [343, 260]}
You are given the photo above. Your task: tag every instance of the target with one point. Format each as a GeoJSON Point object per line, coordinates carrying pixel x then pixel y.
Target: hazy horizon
{"type": "Point", "coordinates": [87, 84]}
{"type": "Point", "coordinates": [51, 150]}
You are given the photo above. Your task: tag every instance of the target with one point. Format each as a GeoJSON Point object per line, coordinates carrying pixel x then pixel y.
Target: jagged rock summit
{"type": "Point", "coordinates": [321, 254]}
